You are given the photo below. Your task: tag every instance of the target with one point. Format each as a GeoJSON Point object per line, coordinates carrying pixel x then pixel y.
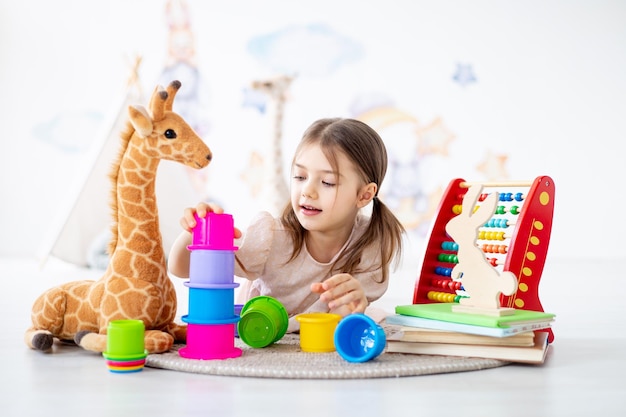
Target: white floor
{"type": "Point", "coordinates": [584, 375]}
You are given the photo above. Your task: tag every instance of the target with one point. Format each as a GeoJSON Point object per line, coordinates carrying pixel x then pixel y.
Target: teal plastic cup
{"type": "Point", "coordinates": [125, 339]}
{"type": "Point", "coordinates": [263, 321]}
{"type": "Point", "coordinates": [358, 338]}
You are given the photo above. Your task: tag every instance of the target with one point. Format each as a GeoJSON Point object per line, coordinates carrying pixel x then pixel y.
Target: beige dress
{"type": "Point", "coordinates": [264, 251]}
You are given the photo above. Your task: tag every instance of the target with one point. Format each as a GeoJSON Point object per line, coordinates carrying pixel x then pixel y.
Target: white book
{"type": "Point", "coordinates": [413, 321]}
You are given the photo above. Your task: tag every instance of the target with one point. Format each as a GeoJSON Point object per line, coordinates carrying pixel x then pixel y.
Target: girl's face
{"type": "Point", "coordinates": [325, 200]}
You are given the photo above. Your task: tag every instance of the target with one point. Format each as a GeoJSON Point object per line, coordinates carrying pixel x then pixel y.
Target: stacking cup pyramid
{"type": "Point", "coordinates": [211, 320]}
{"type": "Point", "coordinates": [125, 346]}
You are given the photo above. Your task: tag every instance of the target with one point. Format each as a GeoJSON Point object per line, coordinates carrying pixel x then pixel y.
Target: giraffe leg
{"type": "Point", "coordinates": [178, 331]}
{"type": "Point", "coordinates": [39, 339]}
{"type": "Point", "coordinates": [92, 341]}
{"type": "Point", "coordinates": [47, 315]}
{"type": "Point", "coordinates": [158, 342]}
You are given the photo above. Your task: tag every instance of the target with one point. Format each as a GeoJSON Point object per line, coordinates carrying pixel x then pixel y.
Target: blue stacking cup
{"type": "Point", "coordinates": [211, 305]}
{"type": "Point", "coordinates": [358, 338]}
{"type": "Point", "coordinates": [238, 308]}
{"type": "Point", "coordinates": [208, 267]}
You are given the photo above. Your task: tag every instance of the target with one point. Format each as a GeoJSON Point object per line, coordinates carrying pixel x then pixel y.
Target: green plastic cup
{"type": "Point", "coordinates": [263, 321]}
{"type": "Point", "coordinates": [125, 339]}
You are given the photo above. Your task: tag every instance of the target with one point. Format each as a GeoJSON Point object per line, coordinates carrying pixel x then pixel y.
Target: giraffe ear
{"type": "Point", "coordinates": [140, 119]}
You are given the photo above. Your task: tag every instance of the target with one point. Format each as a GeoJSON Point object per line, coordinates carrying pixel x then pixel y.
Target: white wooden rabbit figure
{"type": "Point", "coordinates": [480, 280]}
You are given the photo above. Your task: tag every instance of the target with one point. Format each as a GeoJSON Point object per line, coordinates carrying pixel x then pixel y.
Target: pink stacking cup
{"type": "Point", "coordinates": [214, 231]}
{"type": "Point", "coordinates": [210, 341]}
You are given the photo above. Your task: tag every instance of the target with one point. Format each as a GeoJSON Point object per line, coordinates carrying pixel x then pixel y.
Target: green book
{"type": "Point", "coordinates": [443, 312]}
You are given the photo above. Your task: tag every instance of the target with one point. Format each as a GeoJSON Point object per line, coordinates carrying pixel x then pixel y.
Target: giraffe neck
{"type": "Point", "coordinates": [281, 193]}
{"type": "Point", "coordinates": [279, 107]}
{"type": "Point", "coordinates": [139, 242]}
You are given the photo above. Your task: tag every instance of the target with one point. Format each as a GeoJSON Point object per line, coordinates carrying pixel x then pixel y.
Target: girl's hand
{"type": "Point", "coordinates": [343, 294]}
{"type": "Point", "coordinates": [188, 221]}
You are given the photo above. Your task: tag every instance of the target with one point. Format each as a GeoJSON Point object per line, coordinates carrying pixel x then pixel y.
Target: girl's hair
{"type": "Point", "coordinates": [364, 147]}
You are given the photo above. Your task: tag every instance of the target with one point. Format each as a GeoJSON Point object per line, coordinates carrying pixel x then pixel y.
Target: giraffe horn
{"type": "Point", "coordinates": [155, 93]}
{"type": "Point", "coordinates": [158, 103]}
{"type": "Point", "coordinates": [172, 89]}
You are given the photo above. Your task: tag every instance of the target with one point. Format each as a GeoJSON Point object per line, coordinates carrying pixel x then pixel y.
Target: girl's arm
{"type": "Point", "coordinates": [178, 259]}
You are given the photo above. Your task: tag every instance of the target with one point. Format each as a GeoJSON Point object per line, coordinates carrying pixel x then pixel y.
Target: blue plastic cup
{"type": "Point", "coordinates": [358, 338]}
{"type": "Point", "coordinates": [238, 308]}
{"type": "Point", "coordinates": [211, 305]}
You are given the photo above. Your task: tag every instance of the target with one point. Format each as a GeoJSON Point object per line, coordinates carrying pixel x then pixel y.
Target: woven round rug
{"type": "Point", "coordinates": [285, 359]}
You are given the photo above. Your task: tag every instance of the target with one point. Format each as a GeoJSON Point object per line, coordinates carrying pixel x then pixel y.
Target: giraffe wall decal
{"type": "Point", "coordinates": [276, 88]}
{"type": "Point", "coordinates": [136, 284]}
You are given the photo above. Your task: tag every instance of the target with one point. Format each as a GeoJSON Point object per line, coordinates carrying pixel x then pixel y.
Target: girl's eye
{"type": "Point", "coordinates": [298, 177]}
{"type": "Point", "coordinates": [328, 184]}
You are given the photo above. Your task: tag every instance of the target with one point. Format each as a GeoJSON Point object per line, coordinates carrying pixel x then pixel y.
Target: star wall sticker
{"type": "Point", "coordinates": [434, 138]}
{"type": "Point", "coordinates": [464, 74]}
{"type": "Point", "coordinates": [493, 166]}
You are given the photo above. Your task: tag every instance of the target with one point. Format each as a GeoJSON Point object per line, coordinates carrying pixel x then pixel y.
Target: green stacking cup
{"type": "Point", "coordinates": [125, 339]}
{"type": "Point", "coordinates": [263, 321]}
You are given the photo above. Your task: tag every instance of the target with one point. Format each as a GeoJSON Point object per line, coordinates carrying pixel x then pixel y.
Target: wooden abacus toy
{"type": "Point", "coordinates": [504, 243]}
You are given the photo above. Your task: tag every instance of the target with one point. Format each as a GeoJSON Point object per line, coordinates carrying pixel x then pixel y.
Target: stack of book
{"type": "Point", "coordinates": [434, 329]}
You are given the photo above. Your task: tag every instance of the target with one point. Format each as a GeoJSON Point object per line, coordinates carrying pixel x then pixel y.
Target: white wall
{"type": "Point", "coordinates": [548, 96]}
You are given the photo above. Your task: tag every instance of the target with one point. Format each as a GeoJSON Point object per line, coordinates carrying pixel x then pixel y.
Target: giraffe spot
{"type": "Point", "coordinates": [135, 211]}
{"type": "Point", "coordinates": [148, 271]}
{"type": "Point", "coordinates": [132, 177]}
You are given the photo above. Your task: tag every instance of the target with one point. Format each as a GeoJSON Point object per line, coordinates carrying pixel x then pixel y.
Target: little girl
{"type": "Point", "coordinates": [322, 254]}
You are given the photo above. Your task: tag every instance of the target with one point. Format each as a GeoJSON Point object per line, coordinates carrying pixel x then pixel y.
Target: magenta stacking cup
{"type": "Point", "coordinates": [210, 266]}
{"type": "Point", "coordinates": [214, 231]}
{"type": "Point", "coordinates": [210, 341]}
{"type": "Point", "coordinates": [211, 305]}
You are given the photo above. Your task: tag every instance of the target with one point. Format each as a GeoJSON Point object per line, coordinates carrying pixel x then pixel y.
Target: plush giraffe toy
{"type": "Point", "coordinates": [135, 284]}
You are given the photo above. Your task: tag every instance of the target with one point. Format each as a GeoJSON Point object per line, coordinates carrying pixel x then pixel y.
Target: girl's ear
{"type": "Point", "coordinates": [367, 193]}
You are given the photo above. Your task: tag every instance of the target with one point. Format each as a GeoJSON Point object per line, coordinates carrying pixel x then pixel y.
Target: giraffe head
{"type": "Point", "coordinates": [276, 87]}
{"type": "Point", "coordinates": [165, 134]}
